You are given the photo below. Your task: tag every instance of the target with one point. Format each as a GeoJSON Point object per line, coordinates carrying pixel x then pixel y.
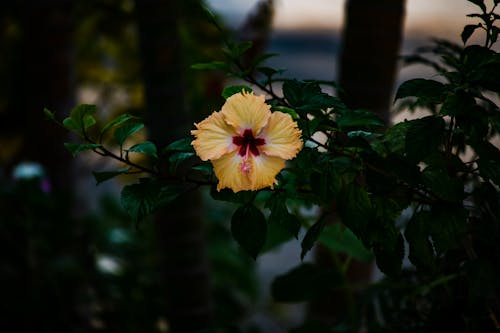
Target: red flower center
{"type": "Point", "coordinates": [248, 143]}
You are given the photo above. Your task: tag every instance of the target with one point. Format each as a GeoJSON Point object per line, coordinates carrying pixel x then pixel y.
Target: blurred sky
{"type": "Point", "coordinates": [442, 18]}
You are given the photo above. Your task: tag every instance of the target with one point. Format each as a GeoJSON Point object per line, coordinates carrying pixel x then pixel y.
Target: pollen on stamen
{"type": "Point", "coordinates": [245, 166]}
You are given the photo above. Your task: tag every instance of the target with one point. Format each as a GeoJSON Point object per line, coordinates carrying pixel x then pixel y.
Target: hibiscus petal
{"type": "Point", "coordinates": [246, 111]}
{"type": "Point", "coordinates": [214, 137]}
{"type": "Point", "coordinates": [229, 172]}
{"type": "Point", "coordinates": [282, 137]}
{"type": "Point", "coordinates": [264, 170]}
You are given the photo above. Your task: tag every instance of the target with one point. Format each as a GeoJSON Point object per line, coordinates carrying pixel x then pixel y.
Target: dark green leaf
{"type": "Point", "coordinates": [494, 34]}
{"type": "Point", "coordinates": [146, 148]}
{"type": "Point", "coordinates": [358, 119]}
{"type": "Point", "coordinates": [417, 234]}
{"type": "Point", "coordinates": [303, 283]}
{"type": "Point", "coordinates": [468, 31]}
{"type": "Point", "coordinates": [448, 227]}
{"type": "Point", "coordinates": [423, 137]}
{"type": "Point", "coordinates": [211, 65]}
{"type": "Point", "coordinates": [355, 208]}
{"type": "Point", "coordinates": [312, 235]}
{"type": "Point", "coordinates": [458, 103]}
{"type": "Point", "coordinates": [269, 72]}
{"type": "Point", "coordinates": [102, 176]}
{"type": "Point", "coordinates": [49, 114]}
{"type": "Point", "coordinates": [183, 144]}
{"type": "Point", "coordinates": [326, 182]}
{"type": "Point", "coordinates": [300, 93]}
{"type": "Point", "coordinates": [479, 3]}
{"type": "Point", "coordinates": [231, 90]}
{"type": "Point", "coordinates": [117, 121]}
{"type": "Point", "coordinates": [427, 91]}
{"type": "Point", "coordinates": [489, 161]}
{"type": "Point", "coordinates": [390, 255]}
{"type": "Point", "coordinates": [236, 50]}
{"type": "Point", "coordinates": [340, 239]}
{"type": "Point", "coordinates": [75, 148]}
{"type": "Point", "coordinates": [249, 227]}
{"type": "Point", "coordinates": [261, 58]}
{"type": "Point", "coordinates": [241, 197]}
{"type": "Point", "coordinates": [123, 132]}
{"type": "Point", "coordinates": [280, 215]}
{"type": "Point", "coordinates": [177, 158]}
{"type": "Point", "coordinates": [145, 197]}
{"type": "Point", "coordinates": [442, 184]}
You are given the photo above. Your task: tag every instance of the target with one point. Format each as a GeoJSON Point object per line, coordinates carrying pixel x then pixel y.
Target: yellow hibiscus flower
{"type": "Point", "coordinates": [246, 142]}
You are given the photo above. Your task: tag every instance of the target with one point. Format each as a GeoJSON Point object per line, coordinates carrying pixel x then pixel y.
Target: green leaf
{"type": "Point", "coordinates": [355, 208]}
{"type": "Point", "coordinates": [448, 227]}
{"type": "Point", "coordinates": [312, 235]}
{"type": "Point", "coordinates": [479, 3]}
{"type": "Point", "coordinates": [458, 103]}
{"type": "Point", "coordinates": [117, 121]}
{"type": "Point", "coordinates": [468, 31]}
{"type": "Point", "coordinates": [177, 158]}
{"type": "Point", "coordinates": [326, 182]}
{"type": "Point", "coordinates": [269, 72]}
{"type": "Point", "coordinates": [211, 65]}
{"type": "Point", "coordinates": [280, 215]}
{"type": "Point", "coordinates": [80, 118]}
{"type": "Point", "coordinates": [236, 50]}
{"type": "Point", "coordinates": [143, 198]}
{"type": "Point", "coordinates": [183, 144]}
{"type": "Point", "coordinates": [423, 137]}
{"type": "Point", "coordinates": [287, 110]}
{"type": "Point", "coordinates": [303, 283]}
{"type": "Point", "coordinates": [358, 119]}
{"type": "Point", "coordinates": [442, 184]}
{"type": "Point", "coordinates": [249, 227]}
{"type": "Point", "coordinates": [241, 197]}
{"type": "Point", "coordinates": [390, 255]}
{"type": "Point", "coordinates": [75, 148]}
{"type": "Point", "coordinates": [417, 234]}
{"type": "Point", "coordinates": [340, 239]}
{"type": "Point", "coordinates": [102, 176]}
{"type": "Point", "coordinates": [427, 91]}
{"type": "Point", "coordinates": [123, 132]}
{"type": "Point", "coordinates": [49, 114]}
{"type": "Point", "coordinates": [489, 161]}
{"type": "Point", "coordinates": [261, 58]}
{"type": "Point", "coordinates": [294, 91]}
{"type": "Point", "coordinates": [146, 148]}
{"type": "Point", "coordinates": [231, 90]}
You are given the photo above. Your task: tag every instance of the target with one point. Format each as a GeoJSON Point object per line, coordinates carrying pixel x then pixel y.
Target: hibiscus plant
{"type": "Point", "coordinates": [276, 145]}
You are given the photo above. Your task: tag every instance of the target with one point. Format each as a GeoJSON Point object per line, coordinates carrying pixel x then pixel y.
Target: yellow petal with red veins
{"type": "Point", "coordinates": [282, 137]}
{"type": "Point", "coordinates": [228, 170]}
{"type": "Point", "coordinates": [213, 137]}
{"type": "Point", "coordinates": [246, 111]}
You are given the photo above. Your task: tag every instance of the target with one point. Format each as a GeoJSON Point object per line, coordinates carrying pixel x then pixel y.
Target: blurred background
{"type": "Point", "coordinates": [71, 259]}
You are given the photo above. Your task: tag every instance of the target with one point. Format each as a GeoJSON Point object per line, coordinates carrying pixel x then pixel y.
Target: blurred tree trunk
{"type": "Point", "coordinates": [42, 78]}
{"type": "Point", "coordinates": [371, 41]}
{"type": "Point", "coordinates": [179, 226]}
